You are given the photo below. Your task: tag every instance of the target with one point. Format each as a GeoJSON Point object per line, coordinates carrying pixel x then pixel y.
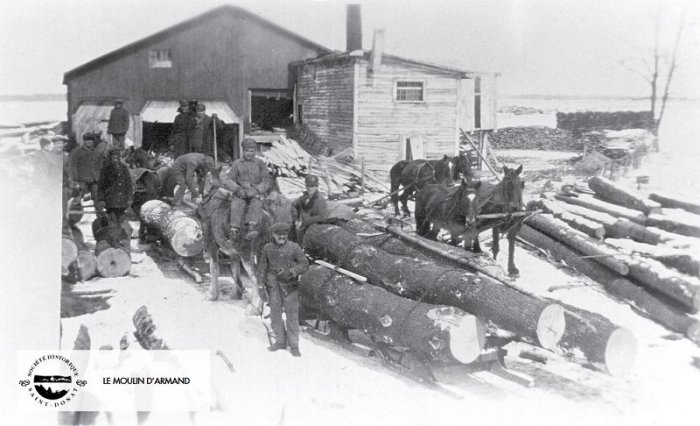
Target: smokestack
{"type": "Point", "coordinates": [353, 27]}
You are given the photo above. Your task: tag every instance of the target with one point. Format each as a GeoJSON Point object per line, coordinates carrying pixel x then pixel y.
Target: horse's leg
{"type": "Point", "coordinates": [404, 200]}
{"type": "Point", "coordinates": [237, 282]}
{"type": "Point", "coordinates": [395, 183]}
{"type": "Point", "coordinates": [512, 269]}
{"type": "Point", "coordinates": [494, 244]}
{"type": "Point", "coordinates": [213, 293]}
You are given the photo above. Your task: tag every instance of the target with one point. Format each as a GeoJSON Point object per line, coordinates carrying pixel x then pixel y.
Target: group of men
{"type": "Point", "coordinates": [194, 130]}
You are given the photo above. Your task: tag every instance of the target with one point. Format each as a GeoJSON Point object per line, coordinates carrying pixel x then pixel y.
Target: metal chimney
{"type": "Point", "coordinates": [353, 32]}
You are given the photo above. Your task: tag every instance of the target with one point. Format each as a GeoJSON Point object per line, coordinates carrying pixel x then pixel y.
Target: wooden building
{"type": "Point", "coordinates": [230, 59]}
{"type": "Point", "coordinates": [388, 108]}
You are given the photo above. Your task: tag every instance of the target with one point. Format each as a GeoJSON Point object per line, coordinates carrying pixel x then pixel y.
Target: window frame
{"type": "Point", "coordinates": [409, 101]}
{"type": "Point", "coordinates": [155, 60]}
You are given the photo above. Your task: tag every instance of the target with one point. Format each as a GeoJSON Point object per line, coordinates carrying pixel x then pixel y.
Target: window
{"type": "Point", "coordinates": [409, 91]}
{"type": "Point", "coordinates": [160, 58]}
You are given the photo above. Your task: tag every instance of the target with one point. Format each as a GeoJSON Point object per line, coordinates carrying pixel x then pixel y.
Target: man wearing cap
{"type": "Point", "coordinates": [280, 265]}
{"type": "Point", "coordinates": [249, 180]}
{"type": "Point", "coordinates": [185, 170]}
{"type": "Point", "coordinates": [182, 124]}
{"type": "Point", "coordinates": [115, 191]}
{"type": "Point", "coordinates": [118, 124]}
{"type": "Point", "coordinates": [308, 209]}
{"type": "Point", "coordinates": [85, 166]}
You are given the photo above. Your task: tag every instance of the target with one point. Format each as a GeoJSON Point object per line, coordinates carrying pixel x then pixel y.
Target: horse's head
{"type": "Point", "coordinates": [461, 167]}
{"type": "Point", "coordinates": [513, 187]}
{"type": "Point", "coordinates": [443, 170]}
{"type": "Point", "coordinates": [468, 191]}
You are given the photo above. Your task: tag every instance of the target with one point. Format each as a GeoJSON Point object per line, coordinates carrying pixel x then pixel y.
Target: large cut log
{"type": "Point", "coordinates": [86, 264]}
{"type": "Point", "coordinates": [604, 345]}
{"type": "Point", "coordinates": [616, 285]}
{"type": "Point", "coordinates": [539, 321]}
{"type": "Point", "coordinates": [684, 224]}
{"type": "Point", "coordinates": [111, 261]}
{"type": "Point", "coordinates": [675, 202]}
{"type": "Point", "coordinates": [591, 228]}
{"type": "Point", "coordinates": [653, 274]}
{"type": "Point", "coordinates": [601, 206]}
{"type": "Point", "coordinates": [183, 233]}
{"type": "Point", "coordinates": [599, 252]}
{"type": "Point", "coordinates": [683, 260]}
{"type": "Point", "coordinates": [443, 333]}
{"type": "Point", "coordinates": [69, 249]}
{"type": "Point", "coordinates": [613, 193]}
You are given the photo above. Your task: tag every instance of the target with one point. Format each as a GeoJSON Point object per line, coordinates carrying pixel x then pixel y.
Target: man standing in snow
{"type": "Point", "coordinates": [281, 263]}
{"type": "Point", "coordinates": [85, 166]}
{"type": "Point", "coordinates": [115, 191]}
{"type": "Point", "coordinates": [118, 124]}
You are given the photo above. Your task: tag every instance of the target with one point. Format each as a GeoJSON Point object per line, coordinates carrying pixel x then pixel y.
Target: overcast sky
{"type": "Point", "coordinates": [563, 47]}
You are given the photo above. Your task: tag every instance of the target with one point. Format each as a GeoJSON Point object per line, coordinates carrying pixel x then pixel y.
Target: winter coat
{"type": "Point", "coordinates": [248, 175]}
{"type": "Point", "coordinates": [275, 259]}
{"type": "Point", "coordinates": [309, 209]}
{"type": "Point", "coordinates": [85, 164]}
{"type": "Point", "coordinates": [118, 121]}
{"type": "Point", "coordinates": [115, 187]}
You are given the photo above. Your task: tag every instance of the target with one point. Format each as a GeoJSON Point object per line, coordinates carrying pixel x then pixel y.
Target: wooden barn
{"type": "Point", "coordinates": [388, 108]}
{"type": "Point", "coordinates": [233, 61]}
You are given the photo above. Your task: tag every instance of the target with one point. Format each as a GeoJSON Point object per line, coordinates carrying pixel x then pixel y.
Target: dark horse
{"type": "Point", "coordinates": [416, 174]}
{"type": "Point", "coordinates": [442, 207]}
{"type": "Point", "coordinates": [504, 198]}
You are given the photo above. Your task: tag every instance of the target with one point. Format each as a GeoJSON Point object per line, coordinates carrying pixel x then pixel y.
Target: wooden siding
{"type": "Point", "coordinates": [219, 59]}
{"type": "Point", "coordinates": [325, 93]}
{"type": "Point", "coordinates": [384, 122]}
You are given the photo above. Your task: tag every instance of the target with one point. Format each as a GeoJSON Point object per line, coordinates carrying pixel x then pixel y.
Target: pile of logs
{"type": "Point", "coordinates": [113, 246]}
{"type": "Point", "coordinates": [626, 242]}
{"type": "Point", "coordinates": [589, 120]}
{"type": "Point", "coordinates": [535, 137]}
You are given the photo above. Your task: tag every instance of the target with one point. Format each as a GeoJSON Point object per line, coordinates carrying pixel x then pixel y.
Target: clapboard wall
{"type": "Point", "coordinates": [325, 94]}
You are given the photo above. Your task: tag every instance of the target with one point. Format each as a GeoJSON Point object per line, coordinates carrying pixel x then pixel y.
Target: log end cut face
{"type": "Point", "coordinates": [113, 262]}
{"type": "Point", "coordinates": [620, 352]}
{"type": "Point", "coordinates": [550, 326]}
{"type": "Point", "coordinates": [467, 338]}
{"type": "Point", "coordinates": [187, 240]}
{"type": "Point", "coordinates": [69, 252]}
{"type": "Point", "coordinates": [87, 264]}
{"type": "Point", "coordinates": [693, 332]}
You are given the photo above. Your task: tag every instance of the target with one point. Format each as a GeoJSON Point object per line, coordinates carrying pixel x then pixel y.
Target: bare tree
{"type": "Point", "coordinates": [658, 64]}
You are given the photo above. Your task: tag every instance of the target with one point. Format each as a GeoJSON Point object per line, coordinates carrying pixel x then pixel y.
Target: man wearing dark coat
{"type": "Point", "coordinates": [85, 166]}
{"type": "Point", "coordinates": [280, 265]}
{"type": "Point", "coordinates": [185, 170]}
{"type": "Point", "coordinates": [202, 132]}
{"type": "Point", "coordinates": [182, 125]}
{"type": "Point", "coordinates": [118, 124]}
{"type": "Point", "coordinates": [308, 209]}
{"type": "Point", "coordinates": [115, 191]}
{"type": "Point", "coordinates": [249, 180]}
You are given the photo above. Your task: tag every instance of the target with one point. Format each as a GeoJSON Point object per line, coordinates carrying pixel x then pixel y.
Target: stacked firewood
{"type": "Point", "coordinates": [642, 250]}
{"type": "Point", "coordinates": [535, 137]}
{"type": "Point", "coordinates": [618, 120]}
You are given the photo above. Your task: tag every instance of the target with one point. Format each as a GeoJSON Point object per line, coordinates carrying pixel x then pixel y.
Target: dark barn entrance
{"type": "Point", "coordinates": [271, 108]}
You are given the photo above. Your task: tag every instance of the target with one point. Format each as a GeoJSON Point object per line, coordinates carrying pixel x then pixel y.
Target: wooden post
{"type": "Point", "coordinates": [362, 176]}
{"type": "Point", "coordinates": [214, 118]}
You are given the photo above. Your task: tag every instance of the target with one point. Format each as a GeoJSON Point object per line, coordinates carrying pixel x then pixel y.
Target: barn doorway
{"type": "Point", "coordinates": [157, 127]}
{"type": "Point", "coordinates": [271, 109]}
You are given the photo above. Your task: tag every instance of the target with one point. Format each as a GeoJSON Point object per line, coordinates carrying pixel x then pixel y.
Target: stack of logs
{"type": "Point", "coordinates": [113, 246]}
{"type": "Point", "coordinates": [640, 249]}
{"type": "Point", "coordinates": [444, 295]}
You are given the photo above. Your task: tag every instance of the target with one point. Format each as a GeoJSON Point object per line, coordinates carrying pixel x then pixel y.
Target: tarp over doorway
{"type": "Point", "coordinates": [165, 111]}
{"type": "Point", "coordinates": [92, 117]}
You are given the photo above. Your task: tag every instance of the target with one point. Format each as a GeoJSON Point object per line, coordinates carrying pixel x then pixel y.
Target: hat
{"type": "Point", "coordinates": [280, 228]}
{"type": "Point", "coordinates": [114, 150]}
{"type": "Point", "coordinates": [249, 143]}
{"type": "Point", "coordinates": [119, 101]}
{"type": "Point", "coordinates": [201, 108]}
{"type": "Point", "coordinates": [183, 102]}
{"type": "Point", "coordinates": [209, 163]}
{"type": "Point", "coordinates": [311, 180]}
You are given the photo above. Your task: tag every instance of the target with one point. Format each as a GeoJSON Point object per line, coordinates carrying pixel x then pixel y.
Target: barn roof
{"type": "Point", "coordinates": [229, 10]}
{"type": "Point", "coordinates": [409, 62]}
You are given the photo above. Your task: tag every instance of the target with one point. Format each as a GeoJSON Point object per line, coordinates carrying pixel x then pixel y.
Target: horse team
{"type": "Point", "coordinates": [464, 209]}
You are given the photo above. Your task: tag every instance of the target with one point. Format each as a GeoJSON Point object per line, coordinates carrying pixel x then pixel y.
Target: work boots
{"type": "Point", "coordinates": [276, 347]}
{"type": "Point", "coordinates": [252, 232]}
{"type": "Point", "coordinates": [294, 351]}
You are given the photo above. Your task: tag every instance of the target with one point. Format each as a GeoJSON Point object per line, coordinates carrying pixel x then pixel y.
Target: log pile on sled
{"type": "Point", "coordinates": [646, 254]}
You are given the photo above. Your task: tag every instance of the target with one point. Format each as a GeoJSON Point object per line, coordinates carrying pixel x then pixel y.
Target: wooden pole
{"type": "Point", "coordinates": [362, 176]}
{"type": "Point", "coordinates": [214, 119]}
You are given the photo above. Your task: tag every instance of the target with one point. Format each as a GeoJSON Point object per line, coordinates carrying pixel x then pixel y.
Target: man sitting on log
{"type": "Point", "coordinates": [308, 209]}
{"type": "Point", "coordinates": [281, 263]}
{"type": "Point", "coordinates": [249, 180]}
{"type": "Point", "coordinates": [115, 191]}
{"type": "Point", "coordinates": [185, 171]}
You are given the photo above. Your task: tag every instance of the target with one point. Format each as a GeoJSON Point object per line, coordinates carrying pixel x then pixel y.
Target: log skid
{"type": "Point", "coordinates": [182, 232]}
{"type": "Point", "coordinates": [431, 283]}
{"type": "Point", "coordinates": [602, 206]}
{"type": "Point", "coordinates": [442, 333]}
{"type": "Point", "coordinates": [613, 193]}
{"type": "Point", "coordinates": [676, 202]}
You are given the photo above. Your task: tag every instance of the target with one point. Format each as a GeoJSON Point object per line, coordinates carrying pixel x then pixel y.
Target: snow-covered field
{"type": "Point", "coordinates": [329, 385]}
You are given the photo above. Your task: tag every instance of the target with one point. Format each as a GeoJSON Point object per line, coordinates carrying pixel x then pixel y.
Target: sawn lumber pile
{"type": "Point", "coordinates": [635, 258]}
